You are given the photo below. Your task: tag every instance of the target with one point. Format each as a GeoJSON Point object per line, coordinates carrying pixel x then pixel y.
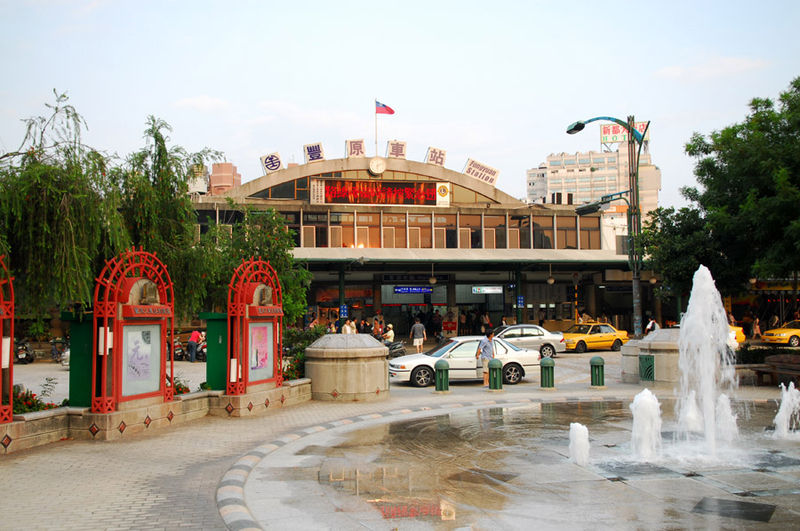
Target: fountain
{"type": "Point", "coordinates": [579, 444]}
{"type": "Point", "coordinates": [646, 429]}
{"type": "Point", "coordinates": [788, 417]}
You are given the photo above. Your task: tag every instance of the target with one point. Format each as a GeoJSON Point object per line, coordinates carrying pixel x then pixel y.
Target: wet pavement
{"type": "Point", "coordinates": [468, 459]}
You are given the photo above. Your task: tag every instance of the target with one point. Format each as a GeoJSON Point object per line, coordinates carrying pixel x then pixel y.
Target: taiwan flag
{"type": "Point", "coordinates": [380, 108]}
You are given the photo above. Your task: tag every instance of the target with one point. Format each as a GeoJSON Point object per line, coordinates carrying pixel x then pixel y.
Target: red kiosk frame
{"type": "Point", "coordinates": [133, 326]}
{"type": "Point", "coordinates": [255, 321]}
{"type": "Point", "coordinates": [6, 343]}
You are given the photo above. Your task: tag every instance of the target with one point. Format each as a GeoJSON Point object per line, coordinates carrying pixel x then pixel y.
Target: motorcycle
{"type": "Point", "coordinates": [396, 349]}
{"type": "Point", "coordinates": [22, 351]}
{"type": "Point", "coordinates": [178, 352]}
{"type": "Point", "coordinates": [202, 350]}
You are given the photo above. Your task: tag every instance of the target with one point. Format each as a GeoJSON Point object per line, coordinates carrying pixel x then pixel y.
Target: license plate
{"type": "Point", "coordinates": [21, 355]}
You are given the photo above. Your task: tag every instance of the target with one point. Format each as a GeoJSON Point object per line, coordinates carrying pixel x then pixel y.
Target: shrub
{"type": "Point", "coordinates": [295, 341]}
{"type": "Point", "coordinates": [27, 401]}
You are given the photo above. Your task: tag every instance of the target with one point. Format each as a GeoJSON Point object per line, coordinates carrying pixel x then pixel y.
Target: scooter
{"type": "Point", "coordinates": [23, 352]}
{"type": "Point", "coordinates": [178, 353]}
{"type": "Point", "coordinates": [202, 350]}
{"type": "Point", "coordinates": [396, 349]}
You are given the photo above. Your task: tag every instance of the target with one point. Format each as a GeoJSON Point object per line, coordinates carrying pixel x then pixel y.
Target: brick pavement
{"type": "Point", "coordinates": [169, 479]}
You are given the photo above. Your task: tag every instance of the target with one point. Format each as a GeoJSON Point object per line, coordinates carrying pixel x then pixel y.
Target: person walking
{"type": "Point", "coordinates": [485, 353]}
{"type": "Point", "coordinates": [418, 335]}
{"type": "Point", "coordinates": [652, 326]}
{"type": "Point", "coordinates": [191, 346]}
{"type": "Point", "coordinates": [757, 328]}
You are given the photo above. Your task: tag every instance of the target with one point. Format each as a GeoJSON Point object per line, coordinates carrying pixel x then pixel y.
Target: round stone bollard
{"type": "Point", "coordinates": [495, 375]}
{"type": "Point", "coordinates": [348, 367]}
{"type": "Point", "coordinates": [442, 376]}
{"type": "Point", "coordinates": [597, 365]}
{"type": "Point", "coordinates": [547, 372]}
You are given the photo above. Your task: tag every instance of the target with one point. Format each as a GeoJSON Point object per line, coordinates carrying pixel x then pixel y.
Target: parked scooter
{"type": "Point", "coordinates": [202, 349]}
{"type": "Point", "coordinates": [23, 352]}
{"type": "Point", "coordinates": [178, 352]}
{"type": "Point", "coordinates": [396, 349]}
{"type": "Point", "coordinates": [57, 347]}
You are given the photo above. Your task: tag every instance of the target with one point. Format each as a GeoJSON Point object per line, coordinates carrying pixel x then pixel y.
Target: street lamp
{"type": "Point", "coordinates": [634, 212]}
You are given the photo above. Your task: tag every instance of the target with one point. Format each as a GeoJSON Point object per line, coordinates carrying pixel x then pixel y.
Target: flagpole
{"type": "Point", "coordinates": [375, 109]}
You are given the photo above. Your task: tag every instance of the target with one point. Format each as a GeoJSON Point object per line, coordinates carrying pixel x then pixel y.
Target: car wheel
{"type": "Point", "coordinates": [547, 351]}
{"type": "Point", "coordinates": [422, 376]}
{"type": "Point", "coordinates": [794, 341]}
{"type": "Point", "coordinates": [580, 347]}
{"type": "Point", "coordinates": [617, 345]}
{"type": "Point", "coordinates": [512, 374]}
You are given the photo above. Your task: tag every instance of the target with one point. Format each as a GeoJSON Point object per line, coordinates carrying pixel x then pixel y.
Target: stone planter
{"type": "Point", "coordinates": [348, 367]}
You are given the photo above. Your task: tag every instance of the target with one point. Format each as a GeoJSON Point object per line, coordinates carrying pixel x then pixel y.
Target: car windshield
{"type": "Point", "coordinates": [500, 329]}
{"type": "Point", "coordinates": [792, 324]}
{"type": "Point", "coordinates": [440, 350]}
{"type": "Point", "coordinates": [578, 329]}
{"type": "Point", "coordinates": [508, 345]}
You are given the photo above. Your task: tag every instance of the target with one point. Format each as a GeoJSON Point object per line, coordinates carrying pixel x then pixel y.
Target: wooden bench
{"type": "Point", "coordinates": [777, 366]}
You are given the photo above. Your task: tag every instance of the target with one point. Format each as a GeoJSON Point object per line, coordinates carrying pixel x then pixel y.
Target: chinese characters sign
{"type": "Point", "coordinates": [435, 156]}
{"type": "Point", "coordinates": [355, 148]}
{"type": "Point", "coordinates": [271, 163]}
{"type": "Point", "coordinates": [614, 133]}
{"type": "Point", "coordinates": [482, 172]}
{"type": "Point", "coordinates": [376, 192]}
{"type": "Point", "coordinates": [396, 149]}
{"type": "Point", "coordinates": [313, 152]}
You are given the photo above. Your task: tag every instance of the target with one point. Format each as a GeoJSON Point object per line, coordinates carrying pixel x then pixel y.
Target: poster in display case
{"type": "Point", "coordinates": [262, 351]}
{"type": "Point", "coordinates": [141, 351]}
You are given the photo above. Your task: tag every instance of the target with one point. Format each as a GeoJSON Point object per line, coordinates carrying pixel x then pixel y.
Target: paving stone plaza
{"type": "Point", "coordinates": [419, 460]}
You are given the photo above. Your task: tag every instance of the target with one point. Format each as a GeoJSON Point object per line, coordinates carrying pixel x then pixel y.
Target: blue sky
{"type": "Point", "coordinates": [494, 81]}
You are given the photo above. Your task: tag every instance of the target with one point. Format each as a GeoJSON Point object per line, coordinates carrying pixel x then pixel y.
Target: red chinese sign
{"type": "Point", "coordinates": [384, 193]}
{"type": "Point", "coordinates": [613, 133]}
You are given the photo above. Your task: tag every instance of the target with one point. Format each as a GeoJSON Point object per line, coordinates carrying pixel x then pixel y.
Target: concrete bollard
{"type": "Point", "coordinates": [597, 365]}
{"type": "Point", "coordinates": [547, 372]}
{"type": "Point", "coordinates": [495, 375]}
{"type": "Point", "coordinates": [442, 369]}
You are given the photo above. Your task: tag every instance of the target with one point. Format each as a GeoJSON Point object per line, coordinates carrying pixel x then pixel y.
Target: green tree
{"type": "Point", "coordinates": [158, 211]}
{"type": "Point", "coordinates": [745, 220]}
{"type": "Point", "coordinates": [58, 211]}
{"type": "Point", "coordinates": [259, 234]}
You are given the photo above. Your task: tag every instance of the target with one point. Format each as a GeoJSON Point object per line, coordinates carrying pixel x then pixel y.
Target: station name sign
{"type": "Point", "coordinates": [413, 289]}
{"type": "Point", "coordinates": [482, 172]}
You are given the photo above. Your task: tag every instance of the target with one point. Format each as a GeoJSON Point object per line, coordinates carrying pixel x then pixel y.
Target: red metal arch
{"type": "Point", "coordinates": [249, 274]}
{"type": "Point", "coordinates": [6, 343]}
{"type": "Point", "coordinates": [108, 294]}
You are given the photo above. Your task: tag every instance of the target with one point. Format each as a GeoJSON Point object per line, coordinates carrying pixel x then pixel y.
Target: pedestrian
{"type": "Point", "coordinates": [388, 336]}
{"type": "Point", "coordinates": [191, 346]}
{"type": "Point", "coordinates": [462, 324]}
{"type": "Point", "coordinates": [314, 322]}
{"type": "Point", "coordinates": [418, 335]}
{"type": "Point", "coordinates": [756, 328]}
{"type": "Point", "coordinates": [348, 327]}
{"type": "Point", "coordinates": [485, 353]}
{"type": "Point", "coordinates": [652, 326]}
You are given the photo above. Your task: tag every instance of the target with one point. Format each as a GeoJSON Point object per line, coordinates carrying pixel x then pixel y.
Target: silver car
{"type": "Point", "coordinates": [533, 337]}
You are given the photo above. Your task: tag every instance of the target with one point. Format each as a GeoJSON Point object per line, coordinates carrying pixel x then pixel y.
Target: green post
{"type": "Point", "coordinates": [495, 374]}
{"type": "Point", "coordinates": [598, 371]}
{"type": "Point", "coordinates": [217, 344]}
{"type": "Point", "coordinates": [547, 370]}
{"type": "Point", "coordinates": [442, 376]}
{"type": "Point", "coordinates": [80, 357]}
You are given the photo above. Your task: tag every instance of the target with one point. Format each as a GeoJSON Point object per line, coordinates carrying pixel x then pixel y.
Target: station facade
{"type": "Point", "coordinates": [395, 237]}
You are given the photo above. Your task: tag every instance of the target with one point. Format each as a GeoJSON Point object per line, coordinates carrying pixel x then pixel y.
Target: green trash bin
{"type": "Point", "coordinates": [217, 344]}
{"type": "Point", "coordinates": [597, 365]}
{"type": "Point", "coordinates": [495, 374]}
{"type": "Point", "coordinates": [80, 357]}
{"type": "Point", "coordinates": [547, 372]}
{"type": "Point", "coordinates": [442, 375]}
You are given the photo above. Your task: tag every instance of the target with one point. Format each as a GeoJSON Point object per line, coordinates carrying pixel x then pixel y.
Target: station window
{"type": "Point", "coordinates": [590, 232]}
{"type": "Point", "coordinates": [470, 232]}
{"type": "Point", "coordinates": [543, 232]}
{"type": "Point", "coordinates": [519, 229]}
{"type": "Point", "coordinates": [445, 228]}
{"type": "Point", "coordinates": [419, 231]}
{"type": "Point", "coordinates": [496, 225]}
{"type": "Point", "coordinates": [567, 232]}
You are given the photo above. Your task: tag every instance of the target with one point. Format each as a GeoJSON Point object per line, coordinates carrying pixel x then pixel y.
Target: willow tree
{"type": "Point", "coordinates": [58, 211]}
{"type": "Point", "coordinates": [158, 211]}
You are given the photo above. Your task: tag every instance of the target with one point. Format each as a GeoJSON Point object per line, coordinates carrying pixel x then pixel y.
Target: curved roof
{"type": "Point", "coordinates": [432, 171]}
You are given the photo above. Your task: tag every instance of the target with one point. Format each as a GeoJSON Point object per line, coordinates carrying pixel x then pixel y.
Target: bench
{"type": "Point", "coordinates": [787, 365]}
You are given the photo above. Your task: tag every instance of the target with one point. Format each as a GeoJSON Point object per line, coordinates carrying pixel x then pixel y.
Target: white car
{"type": "Point", "coordinates": [459, 353]}
{"type": "Point", "coordinates": [533, 337]}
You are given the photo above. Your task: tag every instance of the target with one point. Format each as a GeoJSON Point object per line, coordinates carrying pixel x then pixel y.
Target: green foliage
{"type": "Point", "coordinates": [27, 401]}
{"type": "Point", "coordinates": [56, 216]}
{"type": "Point", "coordinates": [749, 354]}
{"type": "Point", "coordinates": [297, 339]}
{"type": "Point", "coordinates": [750, 187]}
{"type": "Point", "coordinates": [260, 234]}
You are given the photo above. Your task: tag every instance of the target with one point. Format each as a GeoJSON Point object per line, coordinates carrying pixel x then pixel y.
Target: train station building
{"type": "Point", "coordinates": [392, 236]}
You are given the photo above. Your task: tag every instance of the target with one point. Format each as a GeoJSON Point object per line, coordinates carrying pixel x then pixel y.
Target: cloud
{"type": "Point", "coordinates": [203, 103]}
{"type": "Point", "coordinates": [714, 68]}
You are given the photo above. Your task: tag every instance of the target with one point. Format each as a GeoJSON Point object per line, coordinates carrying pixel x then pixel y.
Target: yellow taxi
{"type": "Point", "coordinates": [737, 333]}
{"type": "Point", "coordinates": [595, 336]}
{"type": "Point", "coordinates": [788, 334]}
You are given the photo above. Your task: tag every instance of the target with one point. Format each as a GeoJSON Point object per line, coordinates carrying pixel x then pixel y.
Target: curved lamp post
{"type": "Point", "coordinates": [634, 212]}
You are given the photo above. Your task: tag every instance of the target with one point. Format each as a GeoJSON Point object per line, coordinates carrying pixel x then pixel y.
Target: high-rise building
{"type": "Point", "coordinates": [576, 178]}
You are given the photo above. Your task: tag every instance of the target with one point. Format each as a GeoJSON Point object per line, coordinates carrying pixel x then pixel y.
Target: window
{"type": "Point", "coordinates": [543, 232]}
{"type": "Point", "coordinates": [423, 223]}
{"type": "Point", "coordinates": [473, 224]}
{"type": "Point", "coordinates": [567, 236]}
{"type": "Point", "coordinates": [590, 232]}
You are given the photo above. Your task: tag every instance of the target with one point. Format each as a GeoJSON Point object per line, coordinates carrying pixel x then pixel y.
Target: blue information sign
{"type": "Point", "coordinates": [520, 301]}
{"type": "Point", "coordinates": [343, 311]}
{"type": "Point", "coordinates": [413, 289]}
